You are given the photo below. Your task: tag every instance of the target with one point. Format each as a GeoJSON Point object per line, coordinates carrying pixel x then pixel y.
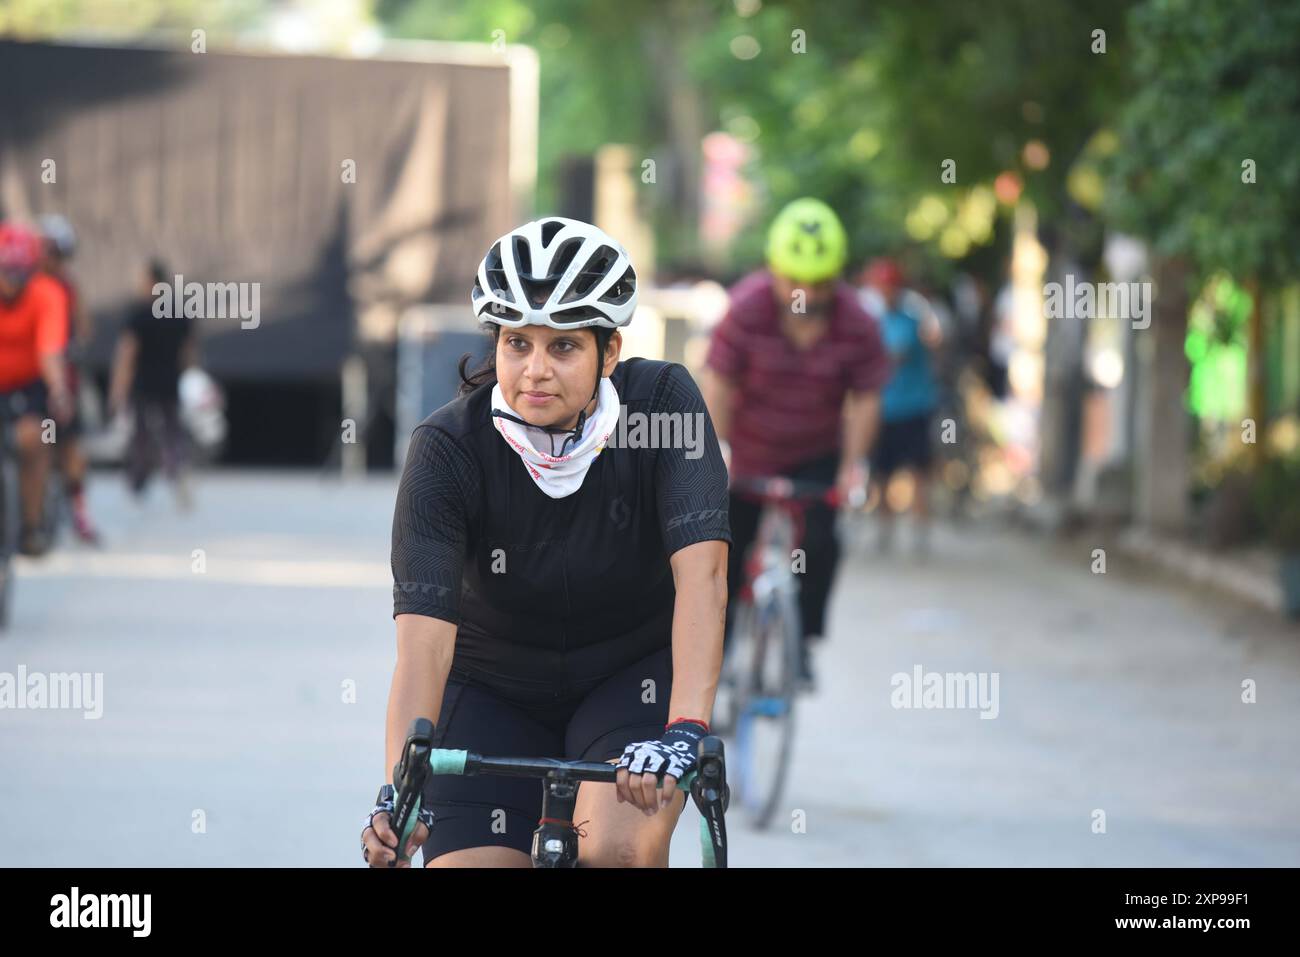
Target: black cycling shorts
{"type": "Point", "coordinates": [903, 443]}
{"type": "Point", "coordinates": [484, 810]}
{"type": "Point", "coordinates": [30, 399]}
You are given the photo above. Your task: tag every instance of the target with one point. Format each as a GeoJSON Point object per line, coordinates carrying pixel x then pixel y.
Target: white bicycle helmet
{"type": "Point", "coordinates": [555, 272]}
{"type": "Point", "coordinates": [59, 233]}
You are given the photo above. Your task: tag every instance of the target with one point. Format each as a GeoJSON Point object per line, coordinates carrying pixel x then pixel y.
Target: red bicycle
{"type": "Point", "coordinates": [760, 672]}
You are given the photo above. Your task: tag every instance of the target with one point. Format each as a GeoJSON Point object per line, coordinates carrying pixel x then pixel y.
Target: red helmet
{"type": "Point", "coordinates": [884, 273]}
{"type": "Point", "coordinates": [21, 250]}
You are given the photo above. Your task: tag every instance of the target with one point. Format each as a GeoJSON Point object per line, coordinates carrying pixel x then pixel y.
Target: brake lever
{"type": "Point", "coordinates": [711, 794]}
{"type": "Point", "coordinates": [409, 777]}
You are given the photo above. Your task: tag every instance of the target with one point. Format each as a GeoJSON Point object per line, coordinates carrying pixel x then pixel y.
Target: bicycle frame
{"type": "Point", "coordinates": [769, 562]}
{"type": "Point", "coordinates": [780, 531]}
{"type": "Point", "coordinates": [763, 653]}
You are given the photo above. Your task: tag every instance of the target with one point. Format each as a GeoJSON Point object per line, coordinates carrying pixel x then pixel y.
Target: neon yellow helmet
{"type": "Point", "coordinates": [807, 242]}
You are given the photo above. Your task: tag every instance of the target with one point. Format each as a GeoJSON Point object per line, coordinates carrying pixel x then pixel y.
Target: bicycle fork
{"type": "Point", "coordinates": [555, 841]}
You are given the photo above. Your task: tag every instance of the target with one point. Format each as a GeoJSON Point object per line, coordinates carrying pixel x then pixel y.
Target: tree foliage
{"type": "Point", "coordinates": [1217, 85]}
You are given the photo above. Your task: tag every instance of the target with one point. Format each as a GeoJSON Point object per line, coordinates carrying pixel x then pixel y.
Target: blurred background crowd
{"type": "Point", "coordinates": [353, 159]}
{"type": "Point", "coordinates": [237, 242]}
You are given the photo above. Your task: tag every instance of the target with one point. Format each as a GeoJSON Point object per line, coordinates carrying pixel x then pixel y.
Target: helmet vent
{"type": "Point", "coordinates": [622, 290]}
{"type": "Point", "coordinates": [496, 274]}
{"type": "Point", "coordinates": [563, 257]}
{"type": "Point", "coordinates": [549, 229]}
{"type": "Point", "coordinates": [577, 314]}
{"type": "Point", "coordinates": [505, 312]}
{"type": "Point", "coordinates": [523, 257]}
{"type": "Point", "coordinates": [596, 269]}
{"type": "Point", "coordinates": [537, 290]}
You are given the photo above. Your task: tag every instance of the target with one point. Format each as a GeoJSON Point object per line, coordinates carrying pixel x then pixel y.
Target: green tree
{"type": "Point", "coordinates": [1217, 103]}
{"type": "Point", "coordinates": [124, 19]}
{"type": "Point", "coordinates": [859, 107]}
{"type": "Point", "coordinates": [1207, 169]}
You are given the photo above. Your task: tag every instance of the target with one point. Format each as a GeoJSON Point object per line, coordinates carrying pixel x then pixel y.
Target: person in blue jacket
{"type": "Point", "coordinates": [910, 334]}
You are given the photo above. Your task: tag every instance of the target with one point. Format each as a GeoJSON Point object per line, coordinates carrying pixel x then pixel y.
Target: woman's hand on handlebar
{"type": "Point", "coordinates": [379, 842]}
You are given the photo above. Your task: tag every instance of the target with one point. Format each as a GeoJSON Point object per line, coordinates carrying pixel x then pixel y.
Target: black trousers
{"type": "Point", "coordinates": [159, 437]}
{"type": "Point", "coordinates": [820, 545]}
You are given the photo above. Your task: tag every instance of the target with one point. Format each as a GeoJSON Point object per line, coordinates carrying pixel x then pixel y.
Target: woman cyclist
{"type": "Point", "coordinates": [554, 595]}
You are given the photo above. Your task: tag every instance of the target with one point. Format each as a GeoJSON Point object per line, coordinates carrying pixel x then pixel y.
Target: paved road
{"type": "Point", "coordinates": [224, 701]}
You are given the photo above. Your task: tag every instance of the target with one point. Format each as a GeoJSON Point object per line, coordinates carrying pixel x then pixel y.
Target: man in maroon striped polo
{"type": "Point", "coordinates": [793, 380]}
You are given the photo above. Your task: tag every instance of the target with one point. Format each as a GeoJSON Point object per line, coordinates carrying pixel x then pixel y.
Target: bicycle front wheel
{"type": "Point", "coordinates": [767, 674]}
{"type": "Point", "coordinates": [10, 512]}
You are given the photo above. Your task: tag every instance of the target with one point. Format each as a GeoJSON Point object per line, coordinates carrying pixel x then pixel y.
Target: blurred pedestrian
{"type": "Point", "coordinates": [1002, 340]}
{"type": "Point", "coordinates": [152, 351]}
{"type": "Point", "coordinates": [60, 246]}
{"type": "Point", "coordinates": [907, 401]}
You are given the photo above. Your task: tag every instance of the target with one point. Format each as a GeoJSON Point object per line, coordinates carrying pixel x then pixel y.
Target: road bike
{"type": "Point", "coordinates": [760, 673]}
{"type": "Point", "coordinates": [555, 841]}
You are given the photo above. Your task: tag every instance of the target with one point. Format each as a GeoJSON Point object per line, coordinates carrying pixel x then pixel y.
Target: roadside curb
{"type": "Point", "coordinates": [1255, 580]}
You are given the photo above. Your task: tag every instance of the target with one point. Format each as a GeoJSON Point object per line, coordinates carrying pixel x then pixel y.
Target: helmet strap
{"type": "Point", "coordinates": [574, 434]}
{"type": "Point", "coordinates": [576, 431]}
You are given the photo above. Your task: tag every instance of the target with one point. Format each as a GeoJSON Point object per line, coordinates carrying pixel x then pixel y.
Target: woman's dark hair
{"type": "Point", "coordinates": [486, 374]}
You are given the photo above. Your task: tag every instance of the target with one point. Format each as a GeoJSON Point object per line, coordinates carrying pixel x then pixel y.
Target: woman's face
{"type": "Point", "coordinates": [547, 375]}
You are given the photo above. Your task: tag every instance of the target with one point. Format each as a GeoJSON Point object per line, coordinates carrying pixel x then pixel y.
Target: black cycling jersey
{"type": "Point", "coordinates": [551, 596]}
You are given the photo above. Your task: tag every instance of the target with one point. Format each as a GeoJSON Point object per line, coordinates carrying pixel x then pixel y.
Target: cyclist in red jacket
{"type": "Point", "coordinates": [33, 380]}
